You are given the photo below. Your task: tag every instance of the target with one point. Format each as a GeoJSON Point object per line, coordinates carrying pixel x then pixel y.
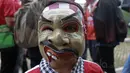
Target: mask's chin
{"type": "Point", "coordinates": [54, 54]}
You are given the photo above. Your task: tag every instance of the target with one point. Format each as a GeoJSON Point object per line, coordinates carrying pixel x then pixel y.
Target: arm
{"type": "Point", "coordinates": [10, 7]}
{"type": "Point", "coordinates": [9, 21]}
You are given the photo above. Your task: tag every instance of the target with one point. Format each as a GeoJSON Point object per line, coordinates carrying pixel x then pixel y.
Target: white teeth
{"type": "Point", "coordinates": [54, 57]}
{"type": "Point", "coordinates": [48, 53]}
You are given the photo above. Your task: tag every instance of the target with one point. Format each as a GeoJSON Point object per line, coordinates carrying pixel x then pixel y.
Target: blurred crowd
{"type": "Point", "coordinates": [105, 28]}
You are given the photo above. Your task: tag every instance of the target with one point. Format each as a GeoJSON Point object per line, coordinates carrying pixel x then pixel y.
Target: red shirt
{"type": "Point", "coordinates": [7, 9]}
{"type": "Point", "coordinates": [89, 67]}
{"type": "Point", "coordinates": [89, 26]}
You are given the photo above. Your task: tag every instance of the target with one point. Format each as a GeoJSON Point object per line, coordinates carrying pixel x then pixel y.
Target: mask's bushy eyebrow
{"type": "Point", "coordinates": [70, 16]}
{"type": "Point", "coordinates": [44, 19]}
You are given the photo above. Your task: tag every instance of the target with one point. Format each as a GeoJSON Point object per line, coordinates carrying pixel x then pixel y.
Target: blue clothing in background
{"type": "Point", "coordinates": [126, 68]}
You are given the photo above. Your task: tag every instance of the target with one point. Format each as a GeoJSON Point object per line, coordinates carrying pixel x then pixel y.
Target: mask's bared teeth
{"type": "Point", "coordinates": [48, 53]}
{"type": "Point", "coordinates": [54, 57]}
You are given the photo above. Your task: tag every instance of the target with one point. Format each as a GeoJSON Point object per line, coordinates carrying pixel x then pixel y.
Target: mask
{"type": "Point", "coordinates": [60, 32]}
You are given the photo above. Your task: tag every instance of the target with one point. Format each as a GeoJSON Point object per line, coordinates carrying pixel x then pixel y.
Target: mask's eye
{"type": "Point", "coordinates": [70, 27]}
{"type": "Point", "coordinates": [46, 28]}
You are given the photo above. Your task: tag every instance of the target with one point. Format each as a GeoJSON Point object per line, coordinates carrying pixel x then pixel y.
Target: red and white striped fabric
{"type": "Point", "coordinates": [62, 6]}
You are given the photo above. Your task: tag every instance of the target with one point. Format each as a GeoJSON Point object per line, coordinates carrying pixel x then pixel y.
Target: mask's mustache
{"type": "Point", "coordinates": [52, 47]}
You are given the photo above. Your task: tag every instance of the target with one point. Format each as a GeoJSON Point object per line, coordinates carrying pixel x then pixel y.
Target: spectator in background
{"type": "Point", "coordinates": [33, 52]}
{"type": "Point", "coordinates": [8, 54]}
{"type": "Point", "coordinates": [90, 31]}
{"type": "Point", "coordinates": [110, 29]}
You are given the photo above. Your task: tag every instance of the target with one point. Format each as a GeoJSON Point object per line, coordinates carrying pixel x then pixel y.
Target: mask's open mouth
{"type": "Point", "coordinates": [53, 53]}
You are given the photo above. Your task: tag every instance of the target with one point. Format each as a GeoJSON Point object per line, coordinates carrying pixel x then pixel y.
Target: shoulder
{"type": "Point", "coordinates": [35, 69]}
{"type": "Point", "coordinates": [91, 67]}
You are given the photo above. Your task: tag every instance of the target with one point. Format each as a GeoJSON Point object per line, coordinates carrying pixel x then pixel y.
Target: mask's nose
{"type": "Point", "coordinates": [58, 38]}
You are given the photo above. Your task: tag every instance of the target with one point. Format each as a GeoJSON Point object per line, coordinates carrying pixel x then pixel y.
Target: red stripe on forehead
{"type": "Point", "coordinates": [54, 6]}
{"type": "Point", "coordinates": [73, 7]}
{"type": "Point", "coordinates": [64, 5]}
